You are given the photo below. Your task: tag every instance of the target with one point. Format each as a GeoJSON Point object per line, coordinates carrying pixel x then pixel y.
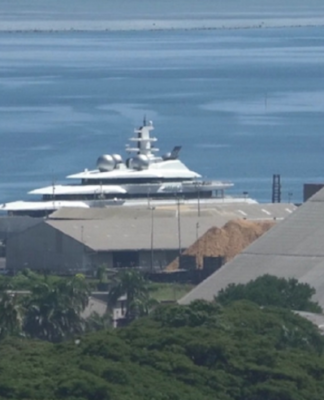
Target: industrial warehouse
{"type": "Point", "coordinates": [80, 240]}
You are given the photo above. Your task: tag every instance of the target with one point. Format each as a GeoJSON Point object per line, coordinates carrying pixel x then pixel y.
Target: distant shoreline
{"type": "Point", "coordinates": [156, 25]}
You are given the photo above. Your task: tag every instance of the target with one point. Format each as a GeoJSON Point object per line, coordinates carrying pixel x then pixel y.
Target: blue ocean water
{"type": "Point", "coordinates": [244, 104]}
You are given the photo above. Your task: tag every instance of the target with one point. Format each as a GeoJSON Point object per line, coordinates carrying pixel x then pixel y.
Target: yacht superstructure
{"type": "Point", "coordinates": [142, 175]}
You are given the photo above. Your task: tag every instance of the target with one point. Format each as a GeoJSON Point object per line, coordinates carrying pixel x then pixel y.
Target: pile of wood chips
{"type": "Point", "coordinates": [226, 242]}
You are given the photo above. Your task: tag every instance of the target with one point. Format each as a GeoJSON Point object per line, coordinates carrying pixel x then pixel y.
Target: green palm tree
{"type": "Point", "coordinates": [131, 285]}
{"type": "Point", "coordinates": [75, 291]}
{"type": "Point", "coordinates": [11, 314]}
{"type": "Point", "coordinates": [96, 322]}
{"type": "Point", "coordinates": [53, 311]}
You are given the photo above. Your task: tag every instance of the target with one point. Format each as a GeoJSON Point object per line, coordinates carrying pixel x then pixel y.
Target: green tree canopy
{"type": "Point", "coordinates": [269, 290]}
{"type": "Point", "coordinates": [237, 352]}
{"type": "Point", "coordinates": [11, 314]}
{"type": "Point", "coordinates": [53, 311]}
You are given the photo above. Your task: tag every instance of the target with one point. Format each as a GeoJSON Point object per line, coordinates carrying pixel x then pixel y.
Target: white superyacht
{"type": "Point", "coordinates": [142, 176]}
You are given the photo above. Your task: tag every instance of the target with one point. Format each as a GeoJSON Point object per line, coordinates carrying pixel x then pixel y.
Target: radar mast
{"type": "Point", "coordinates": [143, 140]}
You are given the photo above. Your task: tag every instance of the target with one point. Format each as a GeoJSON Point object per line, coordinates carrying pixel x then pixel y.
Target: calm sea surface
{"type": "Point", "coordinates": [244, 104]}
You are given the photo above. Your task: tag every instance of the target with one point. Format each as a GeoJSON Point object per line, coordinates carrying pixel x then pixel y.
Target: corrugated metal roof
{"type": "Point", "coordinates": [229, 210]}
{"type": "Point", "coordinates": [291, 249]}
{"type": "Point", "coordinates": [130, 228]}
{"type": "Point", "coordinates": [135, 233]}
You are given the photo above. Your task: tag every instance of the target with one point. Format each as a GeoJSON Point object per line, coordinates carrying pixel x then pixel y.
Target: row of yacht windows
{"type": "Point", "coordinates": [124, 181]}
{"type": "Point", "coordinates": [102, 196]}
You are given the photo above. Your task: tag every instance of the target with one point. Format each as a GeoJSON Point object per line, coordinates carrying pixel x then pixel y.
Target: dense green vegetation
{"type": "Point", "coordinates": [51, 310]}
{"type": "Point", "coordinates": [229, 349]}
{"type": "Point", "coordinates": [268, 290]}
{"type": "Point", "coordinates": [197, 352]}
{"type": "Point", "coordinates": [27, 279]}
